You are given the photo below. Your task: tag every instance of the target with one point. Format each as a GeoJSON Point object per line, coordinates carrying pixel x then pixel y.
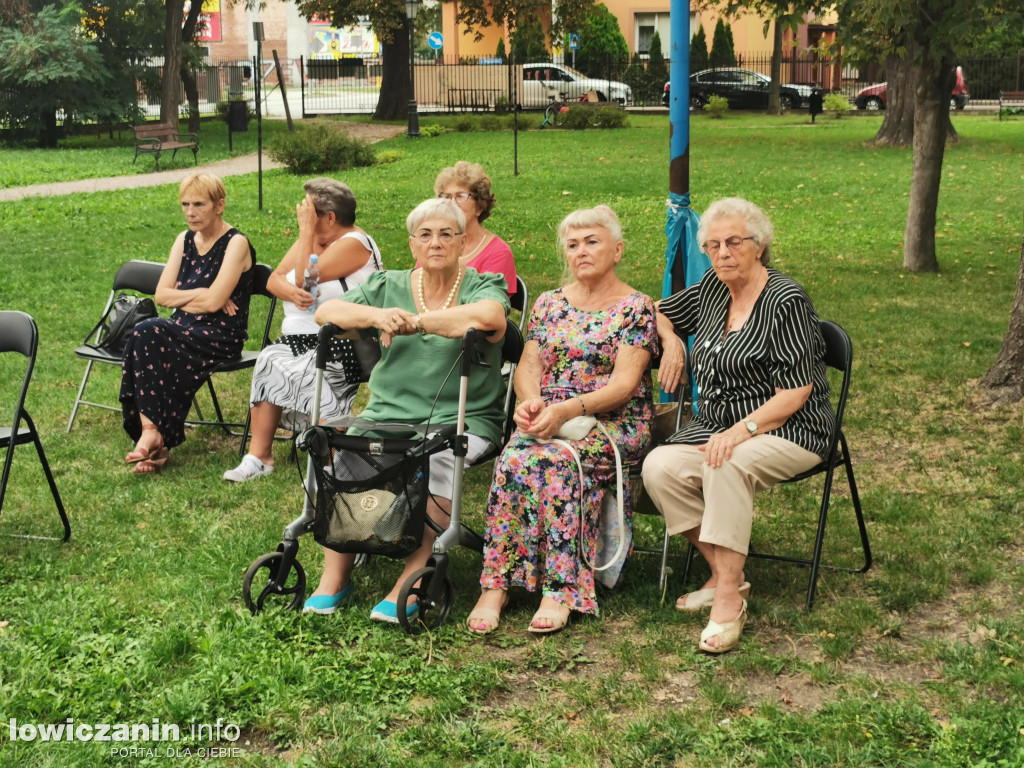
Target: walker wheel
{"type": "Point", "coordinates": [431, 614]}
{"type": "Point", "coordinates": [292, 588]}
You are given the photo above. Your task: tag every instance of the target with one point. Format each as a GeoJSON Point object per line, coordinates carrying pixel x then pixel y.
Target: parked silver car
{"type": "Point", "coordinates": [545, 82]}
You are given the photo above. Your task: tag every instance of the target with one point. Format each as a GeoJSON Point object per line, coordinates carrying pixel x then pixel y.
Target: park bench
{"type": "Point", "coordinates": [1010, 99]}
{"type": "Point", "coordinates": [154, 138]}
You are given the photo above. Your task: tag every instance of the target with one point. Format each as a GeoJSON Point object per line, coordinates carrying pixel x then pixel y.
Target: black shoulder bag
{"type": "Point", "coordinates": [117, 325]}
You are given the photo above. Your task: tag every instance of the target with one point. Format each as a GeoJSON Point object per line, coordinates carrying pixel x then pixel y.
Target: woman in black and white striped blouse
{"type": "Point", "coordinates": [764, 413]}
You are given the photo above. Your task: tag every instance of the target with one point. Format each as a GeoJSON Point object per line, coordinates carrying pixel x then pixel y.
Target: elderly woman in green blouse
{"type": "Point", "coordinates": [422, 315]}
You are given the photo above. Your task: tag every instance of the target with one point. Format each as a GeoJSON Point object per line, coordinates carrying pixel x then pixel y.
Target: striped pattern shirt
{"type": "Point", "coordinates": [779, 346]}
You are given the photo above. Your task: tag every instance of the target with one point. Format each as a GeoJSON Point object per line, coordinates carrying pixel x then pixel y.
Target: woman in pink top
{"type": "Point", "coordinates": [470, 188]}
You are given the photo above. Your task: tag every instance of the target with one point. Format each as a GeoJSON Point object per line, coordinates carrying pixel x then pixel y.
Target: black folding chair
{"type": "Point", "coordinates": [520, 301]}
{"type": "Point", "coordinates": [138, 276]}
{"type": "Point", "coordinates": [838, 355]}
{"type": "Point", "coordinates": [18, 333]}
{"type": "Point", "coordinates": [245, 359]}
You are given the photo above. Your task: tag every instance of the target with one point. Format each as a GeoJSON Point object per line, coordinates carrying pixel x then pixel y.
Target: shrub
{"type": "Point", "coordinates": [222, 111]}
{"type": "Point", "coordinates": [386, 156]}
{"type": "Point", "coordinates": [320, 148]}
{"type": "Point", "coordinates": [465, 123]}
{"type": "Point", "coordinates": [580, 117]}
{"type": "Point", "coordinates": [489, 123]}
{"type": "Point", "coordinates": [432, 130]}
{"type": "Point", "coordinates": [837, 104]}
{"type": "Point", "coordinates": [716, 106]}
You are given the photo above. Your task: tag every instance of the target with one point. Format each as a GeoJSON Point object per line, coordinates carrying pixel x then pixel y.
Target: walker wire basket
{"type": "Point", "coordinates": [371, 491]}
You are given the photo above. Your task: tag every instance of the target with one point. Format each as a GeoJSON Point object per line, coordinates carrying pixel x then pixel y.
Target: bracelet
{"type": "Point", "coordinates": [419, 326]}
{"type": "Point", "coordinates": [582, 405]}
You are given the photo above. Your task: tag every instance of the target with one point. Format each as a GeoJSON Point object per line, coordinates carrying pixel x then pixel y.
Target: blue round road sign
{"type": "Point", "coordinates": [435, 40]}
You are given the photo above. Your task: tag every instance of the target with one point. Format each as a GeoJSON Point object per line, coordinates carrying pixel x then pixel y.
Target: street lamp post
{"type": "Point", "coordinates": [412, 7]}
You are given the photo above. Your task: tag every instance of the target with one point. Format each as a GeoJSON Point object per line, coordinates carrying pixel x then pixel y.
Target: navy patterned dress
{"type": "Point", "coordinates": [168, 360]}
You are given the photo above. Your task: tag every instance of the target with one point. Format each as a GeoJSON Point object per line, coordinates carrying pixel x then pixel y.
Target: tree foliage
{"type": "Point", "coordinates": [564, 15]}
{"type": "Point", "coordinates": [600, 37]}
{"type": "Point", "coordinates": [928, 33]}
{"type": "Point", "coordinates": [722, 52]}
{"type": "Point", "coordinates": [49, 65]}
{"type": "Point", "coordinates": [529, 42]}
{"type": "Point", "coordinates": [699, 58]}
{"type": "Point", "coordinates": [656, 60]}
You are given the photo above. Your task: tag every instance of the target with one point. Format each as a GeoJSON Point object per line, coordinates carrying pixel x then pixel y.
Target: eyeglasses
{"type": "Point", "coordinates": [445, 236]}
{"type": "Point", "coordinates": [712, 247]}
{"type": "Point", "coordinates": [458, 197]}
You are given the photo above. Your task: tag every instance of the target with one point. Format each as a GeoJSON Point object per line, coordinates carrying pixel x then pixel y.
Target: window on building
{"type": "Point", "coordinates": [645, 25]}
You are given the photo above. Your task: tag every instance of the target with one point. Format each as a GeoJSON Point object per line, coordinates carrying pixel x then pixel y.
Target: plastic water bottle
{"type": "Point", "coordinates": [311, 282]}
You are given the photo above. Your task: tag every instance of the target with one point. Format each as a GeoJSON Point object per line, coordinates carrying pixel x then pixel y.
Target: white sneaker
{"type": "Point", "coordinates": [249, 469]}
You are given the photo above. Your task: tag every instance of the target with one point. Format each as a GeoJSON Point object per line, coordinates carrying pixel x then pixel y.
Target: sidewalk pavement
{"type": "Point", "coordinates": [235, 166]}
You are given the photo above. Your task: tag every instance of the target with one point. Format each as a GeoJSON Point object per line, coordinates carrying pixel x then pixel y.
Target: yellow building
{"type": "Point", "coordinates": [638, 20]}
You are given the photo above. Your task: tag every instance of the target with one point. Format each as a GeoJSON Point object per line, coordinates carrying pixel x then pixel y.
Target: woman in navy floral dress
{"type": "Point", "coordinates": [587, 352]}
{"type": "Point", "coordinates": [208, 282]}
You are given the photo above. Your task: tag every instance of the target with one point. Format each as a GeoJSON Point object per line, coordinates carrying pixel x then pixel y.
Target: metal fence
{"type": "Point", "coordinates": [447, 85]}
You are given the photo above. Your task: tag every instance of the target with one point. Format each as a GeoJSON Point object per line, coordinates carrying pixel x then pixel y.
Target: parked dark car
{"type": "Point", "coordinates": [876, 96]}
{"type": "Point", "coordinates": [742, 88]}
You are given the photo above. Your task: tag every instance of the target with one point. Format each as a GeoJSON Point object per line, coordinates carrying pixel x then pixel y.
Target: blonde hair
{"type": "Point", "coordinates": [435, 208]}
{"type": "Point", "coordinates": [759, 226]}
{"type": "Point", "coordinates": [598, 216]}
{"type": "Point", "coordinates": [205, 184]}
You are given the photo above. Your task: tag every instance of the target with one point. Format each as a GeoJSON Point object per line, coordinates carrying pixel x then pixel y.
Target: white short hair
{"type": "Point", "coordinates": [759, 226]}
{"type": "Point", "coordinates": [435, 208]}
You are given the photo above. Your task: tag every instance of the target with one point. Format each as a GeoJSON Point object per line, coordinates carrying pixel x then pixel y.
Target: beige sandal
{"type": "Point", "coordinates": [692, 602]}
{"type": "Point", "coordinates": [728, 634]}
{"type": "Point", "coordinates": [558, 618]}
{"type": "Point", "coordinates": [490, 616]}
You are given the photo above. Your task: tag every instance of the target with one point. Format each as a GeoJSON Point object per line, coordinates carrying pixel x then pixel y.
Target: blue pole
{"type": "Point", "coordinates": [685, 263]}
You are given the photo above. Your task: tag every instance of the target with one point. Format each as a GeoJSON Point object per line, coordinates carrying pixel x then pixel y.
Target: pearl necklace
{"type": "Point", "coordinates": [468, 256]}
{"type": "Point", "coordinates": [451, 294]}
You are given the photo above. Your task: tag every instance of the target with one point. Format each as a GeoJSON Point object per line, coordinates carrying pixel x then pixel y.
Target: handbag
{"type": "Point", "coordinates": [356, 356]}
{"type": "Point", "coordinates": [116, 326]}
{"type": "Point", "coordinates": [612, 524]}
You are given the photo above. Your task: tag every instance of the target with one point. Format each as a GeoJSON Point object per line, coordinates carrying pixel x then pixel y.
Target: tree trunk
{"type": "Point", "coordinates": [931, 118]}
{"type": "Point", "coordinates": [188, 78]}
{"type": "Point", "coordinates": [774, 107]}
{"type": "Point", "coordinates": [49, 135]}
{"type": "Point", "coordinates": [897, 128]}
{"type": "Point", "coordinates": [174, 12]}
{"type": "Point", "coordinates": [1004, 381]}
{"type": "Point", "coordinates": [395, 89]}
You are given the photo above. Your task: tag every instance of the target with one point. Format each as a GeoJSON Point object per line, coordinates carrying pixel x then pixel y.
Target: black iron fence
{"type": "Point", "coordinates": [352, 85]}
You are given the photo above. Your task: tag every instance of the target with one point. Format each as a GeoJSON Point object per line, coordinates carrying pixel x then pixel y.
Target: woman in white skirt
{"type": "Point", "coordinates": [285, 373]}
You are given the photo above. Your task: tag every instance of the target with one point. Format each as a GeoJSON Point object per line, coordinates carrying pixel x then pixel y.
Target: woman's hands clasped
{"type": "Point", "coordinates": [394, 321]}
{"type": "Point", "coordinates": [542, 420]}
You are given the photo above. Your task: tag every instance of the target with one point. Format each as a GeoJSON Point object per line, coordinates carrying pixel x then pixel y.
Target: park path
{"type": "Point", "coordinates": [235, 166]}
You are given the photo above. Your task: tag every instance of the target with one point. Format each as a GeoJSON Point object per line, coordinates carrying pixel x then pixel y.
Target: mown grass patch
{"type": "Point", "coordinates": [915, 663]}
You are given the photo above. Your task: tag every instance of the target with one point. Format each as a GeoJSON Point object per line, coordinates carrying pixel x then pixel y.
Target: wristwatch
{"type": "Point", "coordinates": [751, 426]}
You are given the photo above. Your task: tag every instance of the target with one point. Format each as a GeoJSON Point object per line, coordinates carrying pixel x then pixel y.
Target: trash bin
{"type": "Point", "coordinates": [238, 116]}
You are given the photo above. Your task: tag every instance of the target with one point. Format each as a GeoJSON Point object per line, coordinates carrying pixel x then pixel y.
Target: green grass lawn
{"type": "Point", "coordinates": [920, 662]}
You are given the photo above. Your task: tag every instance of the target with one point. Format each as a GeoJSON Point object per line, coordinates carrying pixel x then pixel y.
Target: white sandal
{"type": "Point", "coordinates": [692, 602]}
{"type": "Point", "coordinates": [728, 634]}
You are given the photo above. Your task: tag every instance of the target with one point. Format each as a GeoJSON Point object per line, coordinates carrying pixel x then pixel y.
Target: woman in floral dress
{"type": "Point", "coordinates": [587, 351]}
{"type": "Point", "coordinates": [208, 282]}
